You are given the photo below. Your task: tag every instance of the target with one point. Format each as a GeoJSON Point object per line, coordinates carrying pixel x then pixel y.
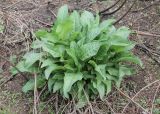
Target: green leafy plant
{"type": "Point", "coordinates": [79, 55]}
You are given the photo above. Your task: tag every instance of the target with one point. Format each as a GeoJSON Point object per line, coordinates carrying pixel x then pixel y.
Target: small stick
{"type": "Point", "coordinates": [132, 100]}
{"type": "Point", "coordinates": [125, 13]}
{"type": "Point", "coordinates": [88, 102]}
{"type": "Point", "coordinates": [46, 24]}
{"type": "Point", "coordinates": [110, 13]}
{"type": "Point", "coordinates": [9, 79]}
{"type": "Point", "coordinates": [154, 98]}
{"type": "Point", "coordinates": [52, 98]}
{"type": "Point", "coordinates": [41, 92]}
{"type": "Point", "coordinates": [138, 94]}
{"type": "Point", "coordinates": [35, 95]}
{"type": "Point", "coordinates": [109, 7]}
{"type": "Point", "coordinates": [53, 13]}
{"type": "Point", "coordinates": [56, 103]}
{"type": "Point", "coordinates": [146, 33]}
{"type": "Point", "coordinates": [145, 8]}
{"type": "Point", "coordinates": [110, 107]}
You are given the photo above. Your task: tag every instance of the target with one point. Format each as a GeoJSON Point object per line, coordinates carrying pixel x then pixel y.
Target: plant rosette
{"type": "Point", "coordinates": [79, 56]}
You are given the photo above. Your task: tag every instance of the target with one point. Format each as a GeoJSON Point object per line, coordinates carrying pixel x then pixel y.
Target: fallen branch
{"type": "Point", "coordinates": [126, 12]}
{"type": "Point", "coordinates": [110, 13]}
{"type": "Point", "coordinates": [146, 33]}
{"type": "Point", "coordinates": [109, 7]}
{"type": "Point", "coordinates": [148, 52]}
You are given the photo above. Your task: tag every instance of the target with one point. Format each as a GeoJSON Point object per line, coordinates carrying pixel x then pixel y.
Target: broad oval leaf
{"type": "Point", "coordinates": [86, 19]}
{"type": "Point", "coordinates": [90, 49]}
{"type": "Point", "coordinates": [122, 32]}
{"type": "Point", "coordinates": [50, 84]}
{"type": "Point", "coordinates": [69, 80]}
{"type": "Point", "coordinates": [101, 90]}
{"type": "Point", "coordinates": [58, 85]}
{"type": "Point", "coordinates": [31, 83]}
{"type": "Point", "coordinates": [75, 17]}
{"type": "Point", "coordinates": [93, 33]}
{"type": "Point", "coordinates": [132, 59]}
{"type": "Point", "coordinates": [52, 68]}
{"type": "Point", "coordinates": [62, 13]}
{"type": "Point", "coordinates": [106, 24]}
{"type": "Point", "coordinates": [31, 58]}
{"type": "Point", "coordinates": [108, 84]}
{"type": "Point", "coordinates": [23, 68]}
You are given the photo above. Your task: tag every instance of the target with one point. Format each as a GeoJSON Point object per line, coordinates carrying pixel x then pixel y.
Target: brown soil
{"type": "Point", "coordinates": [22, 17]}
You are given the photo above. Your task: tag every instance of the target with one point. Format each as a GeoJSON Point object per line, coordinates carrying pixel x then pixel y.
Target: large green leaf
{"type": "Point", "coordinates": [125, 71]}
{"type": "Point", "coordinates": [86, 19]}
{"type": "Point", "coordinates": [41, 33]}
{"type": "Point", "coordinates": [72, 54]}
{"type": "Point", "coordinates": [62, 13]}
{"type": "Point", "coordinates": [93, 33]}
{"type": "Point", "coordinates": [40, 82]}
{"type": "Point", "coordinates": [58, 85]}
{"type": "Point", "coordinates": [90, 49]}
{"type": "Point", "coordinates": [99, 86]}
{"type": "Point", "coordinates": [100, 69]}
{"type": "Point", "coordinates": [75, 53]}
{"type": "Point", "coordinates": [37, 44]}
{"type": "Point", "coordinates": [47, 62]}
{"type": "Point", "coordinates": [31, 58]}
{"type": "Point", "coordinates": [69, 80]}
{"type": "Point", "coordinates": [52, 68]}
{"type": "Point", "coordinates": [122, 32]}
{"type": "Point", "coordinates": [113, 71]}
{"type": "Point", "coordinates": [75, 17]}
{"type": "Point", "coordinates": [81, 102]}
{"type": "Point", "coordinates": [51, 50]}
{"type": "Point", "coordinates": [102, 52]}
{"type": "Point", "coordinates": [104, 26]}
{"type": "Point", "coordinates": [108, 84]}
{"type": "Point", "coordinates": [133, 59]}
{"type": "Point", "coordinates": [50, 84]}
{"type": "Point", "coordinates": [64, 29]}
{"type": "Point", "coordinates": [101, 90]}
{"type": "Point", "coordinates": [21, 66]}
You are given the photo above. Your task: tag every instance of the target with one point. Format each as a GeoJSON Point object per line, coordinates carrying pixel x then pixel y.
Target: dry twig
{"type": "Point", "coordinates": [35, 111]}
{"type": "Point", "coordinates": [138, 94]}
{"type": "Point", "coordinates": [109, 7]}
{"type": "Point", "coordinates": [145, 8]}
{"type": "Point", "coordinates": [126, 12]}
{"type": "Point", "coordinates": [131, 100]}
{"type": "Point", "coordinates": [88, 102]}
{"type": "Point", "coordinates": [110, 13]}
{"type": "Point", "coordinates": [146, 33]}
{"type": "Point", "coordinates": [154, 98]}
